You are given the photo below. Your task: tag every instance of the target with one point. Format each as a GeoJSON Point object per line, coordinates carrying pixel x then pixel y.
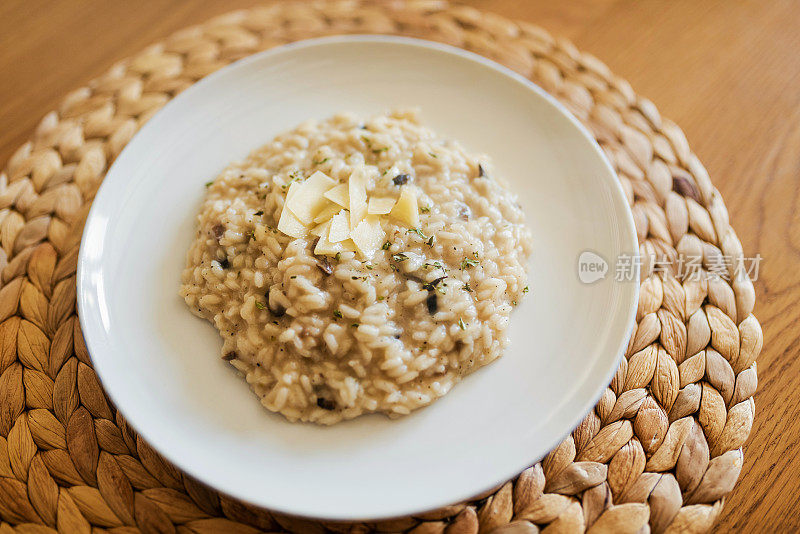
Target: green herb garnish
{"type": "Point", "coordinates": [432, 286]}
{"type": "Point", "coordinates": [467, 288]}
{"type": "Point", "coordinates": [337, 314]}
{"type": "Point", "coordinates": [354, 325]}
{"type": "Point", "coordinates": [208, 184]}
{"type": "Point", "coordinates": [399, 257]}
{"type": "Point", "coordinates": [417, 231]}
{"type": "Point", "coordinates": [260, 305]}
{"type": "Point", "coordinates": [461, 324]}
{"type": "Point", "coordinates": [424, 209]}
{"type": "Point", "coordinates": [294, 176]}
{"type": "Point", "coordinates": [466, 263]}
{"type": "Point", "coordinates": [386, 246]}
{"type": "Point", "coordinates": [434, 265]}
{"type": "Point", "coordinates": [525, 289]}
{"type": "Point", "coordinates": [259, 212]}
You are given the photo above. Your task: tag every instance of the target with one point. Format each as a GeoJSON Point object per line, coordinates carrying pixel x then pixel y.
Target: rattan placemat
{"type": "Point", "coordinates": [661, 449]}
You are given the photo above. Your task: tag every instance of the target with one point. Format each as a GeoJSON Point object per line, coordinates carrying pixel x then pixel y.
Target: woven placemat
{"type": "Point", "coordinates": [660, 450]}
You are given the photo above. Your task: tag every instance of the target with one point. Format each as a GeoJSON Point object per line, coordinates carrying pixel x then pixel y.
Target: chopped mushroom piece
{"type": "Point", "coordinates": [400, 179]}
{"type": "Point", "coordinates": [432, 303]}
{"type": "Point", "coordinates": [324, 265]}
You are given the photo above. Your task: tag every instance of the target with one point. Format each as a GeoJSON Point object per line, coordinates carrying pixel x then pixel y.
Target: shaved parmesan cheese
{"type": "Point", "coordinates": [326, 247]}
{"type": "Point", "coordinates": [291, 225]}
{"type": "Point", "coordinates": [357, 189]}
{"type": "Point", "coordinates": [321, 230]}
{"type": "Point", "coordinates": [340, 227]}
{"type": "Point", "coordinates": [320, 201]}
{"type": "Point", "coordinates": [340, 195]}
{"type": "Point", "coordinates": [327, 212]}
{"type": "Point", "coordinates": [294, 187]}
{"type": "Point", "coordinates": [348, 245]}
{"type": "Point", "coordinates": [288, 223]}
{"type": "Point", "coordinates": [380, 206]}
{"type": "Point", "coordinates": [309, 199]}
{"type": "Point", "coordinates": [407, 210]}
{"type": "Point", "coordinates": [368, 236]}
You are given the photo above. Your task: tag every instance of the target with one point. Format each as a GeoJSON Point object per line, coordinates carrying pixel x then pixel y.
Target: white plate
{"type": "Point", "coordinates": [161, 365]}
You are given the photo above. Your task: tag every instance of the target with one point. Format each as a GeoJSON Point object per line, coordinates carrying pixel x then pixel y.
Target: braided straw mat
{"type": "Point", "coordinates": [658, 453]}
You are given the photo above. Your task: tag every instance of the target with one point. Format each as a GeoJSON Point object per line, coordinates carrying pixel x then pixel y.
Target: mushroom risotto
{"type": "Point", "coordinates": [354, 267]}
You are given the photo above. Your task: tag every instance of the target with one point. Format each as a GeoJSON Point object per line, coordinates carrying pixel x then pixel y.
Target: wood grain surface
{"type": "Point", "coordinates": [727, 72]}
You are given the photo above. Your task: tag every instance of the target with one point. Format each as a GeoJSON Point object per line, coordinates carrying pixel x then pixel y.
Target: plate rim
{"type": "Point", "coordinates": [628, 238]}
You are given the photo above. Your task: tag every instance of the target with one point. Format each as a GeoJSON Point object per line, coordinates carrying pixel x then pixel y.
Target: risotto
{"type": "Point", "coordinates": [355, 267]}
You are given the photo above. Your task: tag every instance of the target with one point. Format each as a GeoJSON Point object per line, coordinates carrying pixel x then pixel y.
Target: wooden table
{"type": "Point", "coordinates": [728, 73]}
